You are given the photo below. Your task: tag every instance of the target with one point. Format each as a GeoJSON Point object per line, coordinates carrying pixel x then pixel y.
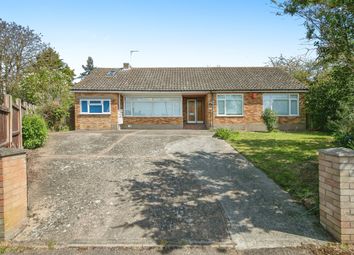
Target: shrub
{"type": "Point", "coordinates": [270, 119]}
{"type": "Point", "coordinates": [55, 116]}
{"type": "Point", "coordinates": [34, 131]}
{"type": "Point", "coordinates": [343, 126]}
{"type": "Point", "coordinates": [223, 133]}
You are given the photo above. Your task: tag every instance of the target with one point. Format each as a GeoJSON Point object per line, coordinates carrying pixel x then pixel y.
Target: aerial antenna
{"type": "Point", "coordinates": [131, 54]}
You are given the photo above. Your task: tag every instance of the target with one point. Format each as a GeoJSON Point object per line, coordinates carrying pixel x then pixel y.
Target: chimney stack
{"type": "Point", "coordinates": [126, 66]}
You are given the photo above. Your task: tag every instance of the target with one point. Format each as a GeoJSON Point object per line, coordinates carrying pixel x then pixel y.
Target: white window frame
{"type": "Point", "coordinates": [289, 105]}
{"type": "Point", "coordinates": [101, 103]}
{"type": "Point", "coordinates": [152, 116]}
{"type": "Point", "coordinates": [229, 115]}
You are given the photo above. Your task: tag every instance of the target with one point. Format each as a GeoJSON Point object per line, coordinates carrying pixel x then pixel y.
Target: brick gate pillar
{"type": "Point", "coordinates": [336, 188]}
{"type": "Point", "coordinates": [13, 191]}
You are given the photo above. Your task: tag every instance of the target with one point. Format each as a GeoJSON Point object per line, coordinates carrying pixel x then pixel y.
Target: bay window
{"type": "Point", "coordinates": [282, 104]}
{"type": "Point", "coordinates": [153, 106]}
{"type": "Point", "coordinates": [95, 106]}
{"type": "Point", "coordinates": [230, 105]}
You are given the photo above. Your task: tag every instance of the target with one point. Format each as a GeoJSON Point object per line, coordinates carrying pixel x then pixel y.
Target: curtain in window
{"type": "Point", "coordinates": [282, 104]}
{"type": "Point", "coordinates": [230, 104]}
{"type": "Point", "coordinates": [153, 106]}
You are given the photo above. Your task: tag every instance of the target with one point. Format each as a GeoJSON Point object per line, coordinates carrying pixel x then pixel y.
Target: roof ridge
{"type": "Point", "coordinates": [192, 67]}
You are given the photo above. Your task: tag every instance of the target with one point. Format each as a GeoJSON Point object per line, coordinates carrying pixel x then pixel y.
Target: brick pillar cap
{"type": "Point", "coordinates": [7, 152]}
{"type": "Point", "coordinates": [339, 152]}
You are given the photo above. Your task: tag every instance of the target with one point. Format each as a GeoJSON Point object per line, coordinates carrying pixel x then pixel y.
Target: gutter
{"type": "Point", "coordinates": [187, 91]}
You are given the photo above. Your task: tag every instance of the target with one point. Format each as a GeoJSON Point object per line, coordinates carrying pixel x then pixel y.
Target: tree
{"type": "Point", "coordinates": [47, 84]}
{"type": "Point", "coordinates": [19, 47]}
{"type": "Point", "coordinates": [331, 89]}
{"type": "Point", "coordinates": [50, 59]}
{"type": "Point", "coordinates": [299, 67]}
{"type": "Point", "coordinates": [46, 80]}
{"type": "Point", "coordinates": [88, 67]}
{"type": "Point", "coordinates": [329, 24]}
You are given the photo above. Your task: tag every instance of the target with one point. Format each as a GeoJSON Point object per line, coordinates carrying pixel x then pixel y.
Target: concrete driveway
{"type": "Point", "coordinates": [157, 187]}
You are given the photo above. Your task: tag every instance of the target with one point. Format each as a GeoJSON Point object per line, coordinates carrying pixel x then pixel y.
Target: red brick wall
{"type": "Point", "coordinates": [251, 119]}
{"type": "Point", "coordinates": [13, 194]}
{"type": "Point", "coordinates": [104, 121]}
{"type": "Point", "coordinates": [152, 121]}
{"type": "Point", "coordinates": [253, 107]}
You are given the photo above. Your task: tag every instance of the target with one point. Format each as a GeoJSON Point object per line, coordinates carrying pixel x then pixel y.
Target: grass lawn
{"type": "Point", "coordinates": [289, 158]}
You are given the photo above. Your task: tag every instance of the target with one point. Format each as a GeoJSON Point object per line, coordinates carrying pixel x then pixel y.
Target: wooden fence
{"type": "Point", "coordinates": [11, 112]}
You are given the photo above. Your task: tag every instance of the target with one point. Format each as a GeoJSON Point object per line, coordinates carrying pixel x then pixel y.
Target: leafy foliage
{"type": "Point", "coordinates": [34, 131]}
{"type": "Point", "coordinates": [332, 88]}
{"type": "Point", "coordinates": [47, 84]}
{"type": "Point", "coordinates": [50, 59]}
{"type": "Point", "coordinates": [329, 24]}
{"type": "Point", "coordinates": [55, 116]}
{"type": "Point", "coordinates": [300, 67]}
{"type": "Point", "coordinates": [223, 133]}
{"type": "Point", "coordinates": [344, 125]}
{"type": "Point", "coordinates": [270, 119]}
{"type": "Point", "coordinates": [19, 47]}
{"type": "Point", "coordinates": [87, 68]}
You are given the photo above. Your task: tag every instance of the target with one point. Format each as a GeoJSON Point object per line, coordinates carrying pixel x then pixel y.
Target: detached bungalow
{"type": "Point", "coordinates": [207, 97]}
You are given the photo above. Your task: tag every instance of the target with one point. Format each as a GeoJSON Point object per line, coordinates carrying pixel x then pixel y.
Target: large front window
{"type": "Point", "coordinates": [153, 106]}
{"type": "Point", "coordinates": [95, 106]}
{"type": "Point", "coordinates": [230, 105]}
{"type": "Point", "coordinates": [282, 104]}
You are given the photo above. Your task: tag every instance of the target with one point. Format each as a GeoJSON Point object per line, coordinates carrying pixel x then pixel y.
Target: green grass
{"type": "Point", "coordinates": [289, 158]}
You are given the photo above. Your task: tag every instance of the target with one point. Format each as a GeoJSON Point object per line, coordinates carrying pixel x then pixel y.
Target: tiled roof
{"type": "Point", "coordinates": [189, 79]}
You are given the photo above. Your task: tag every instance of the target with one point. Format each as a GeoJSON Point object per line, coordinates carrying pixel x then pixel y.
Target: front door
{"type": "Point", "coordinates": [195, 111]}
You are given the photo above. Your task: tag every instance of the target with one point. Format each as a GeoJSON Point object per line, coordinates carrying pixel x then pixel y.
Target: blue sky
{"type": "Point", "coordinates": [166, 32]}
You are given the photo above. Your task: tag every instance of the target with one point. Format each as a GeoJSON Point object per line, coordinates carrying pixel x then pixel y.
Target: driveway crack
{"type": "Point", "coordinates": [118, 141]}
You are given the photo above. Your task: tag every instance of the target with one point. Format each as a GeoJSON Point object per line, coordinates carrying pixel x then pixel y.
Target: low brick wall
{"type": "Point", "coordinates": [153, 122]}
{"type": "Point", "coordinates": [336, 188]}
{"type": "Point", "coordinates": [13, 191]}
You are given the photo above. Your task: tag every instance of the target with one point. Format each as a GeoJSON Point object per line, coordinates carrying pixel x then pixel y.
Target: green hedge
{"type": "Point", "coordinates": [34, 131]}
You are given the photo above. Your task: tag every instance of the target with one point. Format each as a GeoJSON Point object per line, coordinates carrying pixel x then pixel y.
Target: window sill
{"type": "Point", "coordinates": [128, 116]}
{"type": "Point", "coordinates": [230, 116]}
{"type": "Point", "coordinates": [105, 114]}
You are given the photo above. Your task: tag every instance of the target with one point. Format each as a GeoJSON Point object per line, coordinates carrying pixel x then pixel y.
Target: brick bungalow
{"type": "Point", "coordinates": [207, 97]}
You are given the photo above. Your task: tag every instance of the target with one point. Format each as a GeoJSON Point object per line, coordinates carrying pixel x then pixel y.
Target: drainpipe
{"type": "Point", "coordinates": [118, 112]}
{"type": "Point", "coordinates": [212, 110]}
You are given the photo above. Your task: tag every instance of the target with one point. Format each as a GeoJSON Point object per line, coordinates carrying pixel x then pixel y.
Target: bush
{"type": "Point", "coordinates": [270, 119]}
{"type": "Point", "coordinates": [343, 126]}
{"type": "Point", "coordinates": [326, 94]}
{"type": "Point", "coordinates": [55, 116]}
{"type": "Point", "coordinates": [223, 133]}
{"type": "Point", "coordinates": [34, 131]}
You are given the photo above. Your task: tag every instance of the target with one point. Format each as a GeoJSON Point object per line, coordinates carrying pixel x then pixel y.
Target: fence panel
{"type": "Point", "coordinates": [11, 114]}
{"type": "Point", "coordinates": [16, 129]}
{"type": "Point", "coordinates": [4, 112]}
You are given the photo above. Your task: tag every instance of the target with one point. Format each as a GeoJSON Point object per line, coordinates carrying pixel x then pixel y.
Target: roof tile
{"type": "Point", "coordinates": [189, 79]}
